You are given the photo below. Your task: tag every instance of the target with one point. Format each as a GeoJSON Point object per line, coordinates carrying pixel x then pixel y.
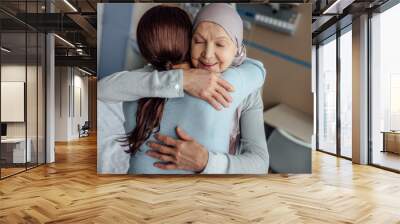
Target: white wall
{"type": "Point", "coordinates": [16, 73]}
{"type": "Point", "coordinates": [80, 89]}
{"type": "Point", "coordinates": [12, 73]}
{"type": "Point", "coordinates": [33, 126]}
{"type": "Point", "coordinates": [70, 83]}
{"type": "Point", "coordinates": [61, 103]}
{"type": "Point", "coordinates": [12, 101]}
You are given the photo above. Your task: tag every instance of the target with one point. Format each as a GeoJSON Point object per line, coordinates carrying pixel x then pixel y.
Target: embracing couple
{"type": "Point", "coordinates": [195, 108]}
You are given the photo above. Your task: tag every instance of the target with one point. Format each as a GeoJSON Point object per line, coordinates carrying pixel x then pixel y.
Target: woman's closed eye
{"type": "Point", "coordinates": [221, 43]}
{"type": "Point", "coordinates": [199, 41]}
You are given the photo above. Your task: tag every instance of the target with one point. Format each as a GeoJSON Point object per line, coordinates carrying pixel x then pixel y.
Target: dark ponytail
{"type": "Point", "coordinates": [163, 36]}
{"type": "Point", "coordinates": [148, 119]}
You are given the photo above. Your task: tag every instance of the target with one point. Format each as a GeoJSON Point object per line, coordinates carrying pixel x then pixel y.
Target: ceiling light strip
{"type": "Point", "coordinates": [5, 49]}
{"type": "Point", "coordinates": [86, 72]}
{"type": "Point", "coordinates": [70, 5]}
{"type": "Point", "coordinates": [65, 41]}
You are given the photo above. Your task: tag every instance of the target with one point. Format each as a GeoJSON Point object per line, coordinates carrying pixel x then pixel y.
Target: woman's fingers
{"type": "Point", "coordinates": [224, 93]}
{"type": "Point", "coordinates": [166, 139]}
{"type": "Point", "coordinates": [208, 86]}
{"type": "Point", "coordinates": [187, 154]}
{"type": "Point", "coordinates": [183, 135]}
{"type": "Point", "coordinates": [210, 99]}
{"type": "Point", "coordinates": [218, 97]}
{"type": "Point", "coordinates": [221, 92]}
{"type": "Point", "coordinates": [160, 156]}
{"type": "Point", "coordinates": [161, 148]}
{"type": "Point", "coordinates": [166, 166]}
{"type": "Point", "coordinates": [226, 85]}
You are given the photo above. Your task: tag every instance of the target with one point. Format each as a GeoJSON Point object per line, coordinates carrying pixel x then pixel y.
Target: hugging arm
{"type": "Point", "coordinates": [133, 85]}
{"type": "Point", "coordinates": [253, 157]}
{"type": "Point", "coordinates": [208, 86]}
{"type": "Point", "coordinates": [185, 153]}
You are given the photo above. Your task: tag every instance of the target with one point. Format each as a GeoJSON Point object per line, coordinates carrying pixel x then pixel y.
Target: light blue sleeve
{"type": "Point", "coordinates": [136, 84]}
{"type": "Point", "coordinates": [246, 78]}
{"type": "Point", "coordinates": [253, 157]}
{"type": "Point", "coordinates": [133, 85]}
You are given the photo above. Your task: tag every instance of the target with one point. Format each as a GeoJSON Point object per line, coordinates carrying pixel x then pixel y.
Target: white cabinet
{"type": "Point", "coordinates": [17, 147]}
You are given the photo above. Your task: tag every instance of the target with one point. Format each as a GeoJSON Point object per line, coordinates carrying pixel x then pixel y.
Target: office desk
{"type": "Point", "coordinates": [391, 141]}
{"type": "Point", "coordinates": [13, 150]}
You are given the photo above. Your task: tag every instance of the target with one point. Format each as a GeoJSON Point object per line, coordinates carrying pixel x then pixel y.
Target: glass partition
{"type": "Point", "coordinates": [385, 89]}
{"type": "Point", "coordinates": [13, 105]}
{"type": "Point", "coordinates": [22, 88]}
{"type": "Point", "coordinates": [31, 100]}
{"type": "Point", "coordinates": [32, 86]}
{"type": "Point", "coordinates": [346, 93]}
{"type": "Point", "coordinates": [41, 107]}
{"type": "Point", "coordinates": [327, 96]}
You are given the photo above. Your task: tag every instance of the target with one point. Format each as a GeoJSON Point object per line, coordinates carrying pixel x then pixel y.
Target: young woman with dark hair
{"type": "Point", "coordinates": [163, 36]}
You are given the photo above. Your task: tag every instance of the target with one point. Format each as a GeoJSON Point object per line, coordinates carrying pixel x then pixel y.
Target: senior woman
{"type": "Point", "coordinates": [216, 45]}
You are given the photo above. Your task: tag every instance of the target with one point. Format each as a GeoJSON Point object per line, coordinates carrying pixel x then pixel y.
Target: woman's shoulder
{"type": "Point", "coordinates": [249, 62]}
{"type": "Point", "coordinates": [249, 65]}
{"type": "Point", "coordinates": [254, 62]}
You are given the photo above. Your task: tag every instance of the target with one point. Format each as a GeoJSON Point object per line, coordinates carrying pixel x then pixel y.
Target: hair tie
{"type": "Point", "coordinates": [168, 65]}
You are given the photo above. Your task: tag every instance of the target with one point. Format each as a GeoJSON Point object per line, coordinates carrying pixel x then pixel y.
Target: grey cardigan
{"type": "Point", "coordinates": [252, 157]}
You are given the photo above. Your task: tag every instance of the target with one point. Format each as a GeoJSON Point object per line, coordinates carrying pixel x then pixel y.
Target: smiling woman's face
{"type": "Point", "coordinates": [212, 49]}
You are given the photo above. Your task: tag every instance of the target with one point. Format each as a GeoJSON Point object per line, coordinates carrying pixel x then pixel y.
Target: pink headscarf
{"type": "Point", "coordinates": [226, 17]}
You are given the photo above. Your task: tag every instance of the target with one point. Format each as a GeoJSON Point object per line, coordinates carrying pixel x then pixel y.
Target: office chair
{"type": "Point", "coordinates": [84, 130]}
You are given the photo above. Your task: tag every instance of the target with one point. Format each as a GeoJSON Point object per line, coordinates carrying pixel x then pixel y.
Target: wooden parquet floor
{"type": "Point", "coordinates": [70, 191]}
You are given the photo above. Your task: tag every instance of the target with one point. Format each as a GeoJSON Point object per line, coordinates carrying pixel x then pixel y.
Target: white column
{"type": "Point", "coordinates": [50, 99]}
{"type": "Point", "coordinates": [50, 92]}
{"type": "Point", "coordinates": [360, 90]}
{"type": "Point", "coordinates": [314, 93]}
